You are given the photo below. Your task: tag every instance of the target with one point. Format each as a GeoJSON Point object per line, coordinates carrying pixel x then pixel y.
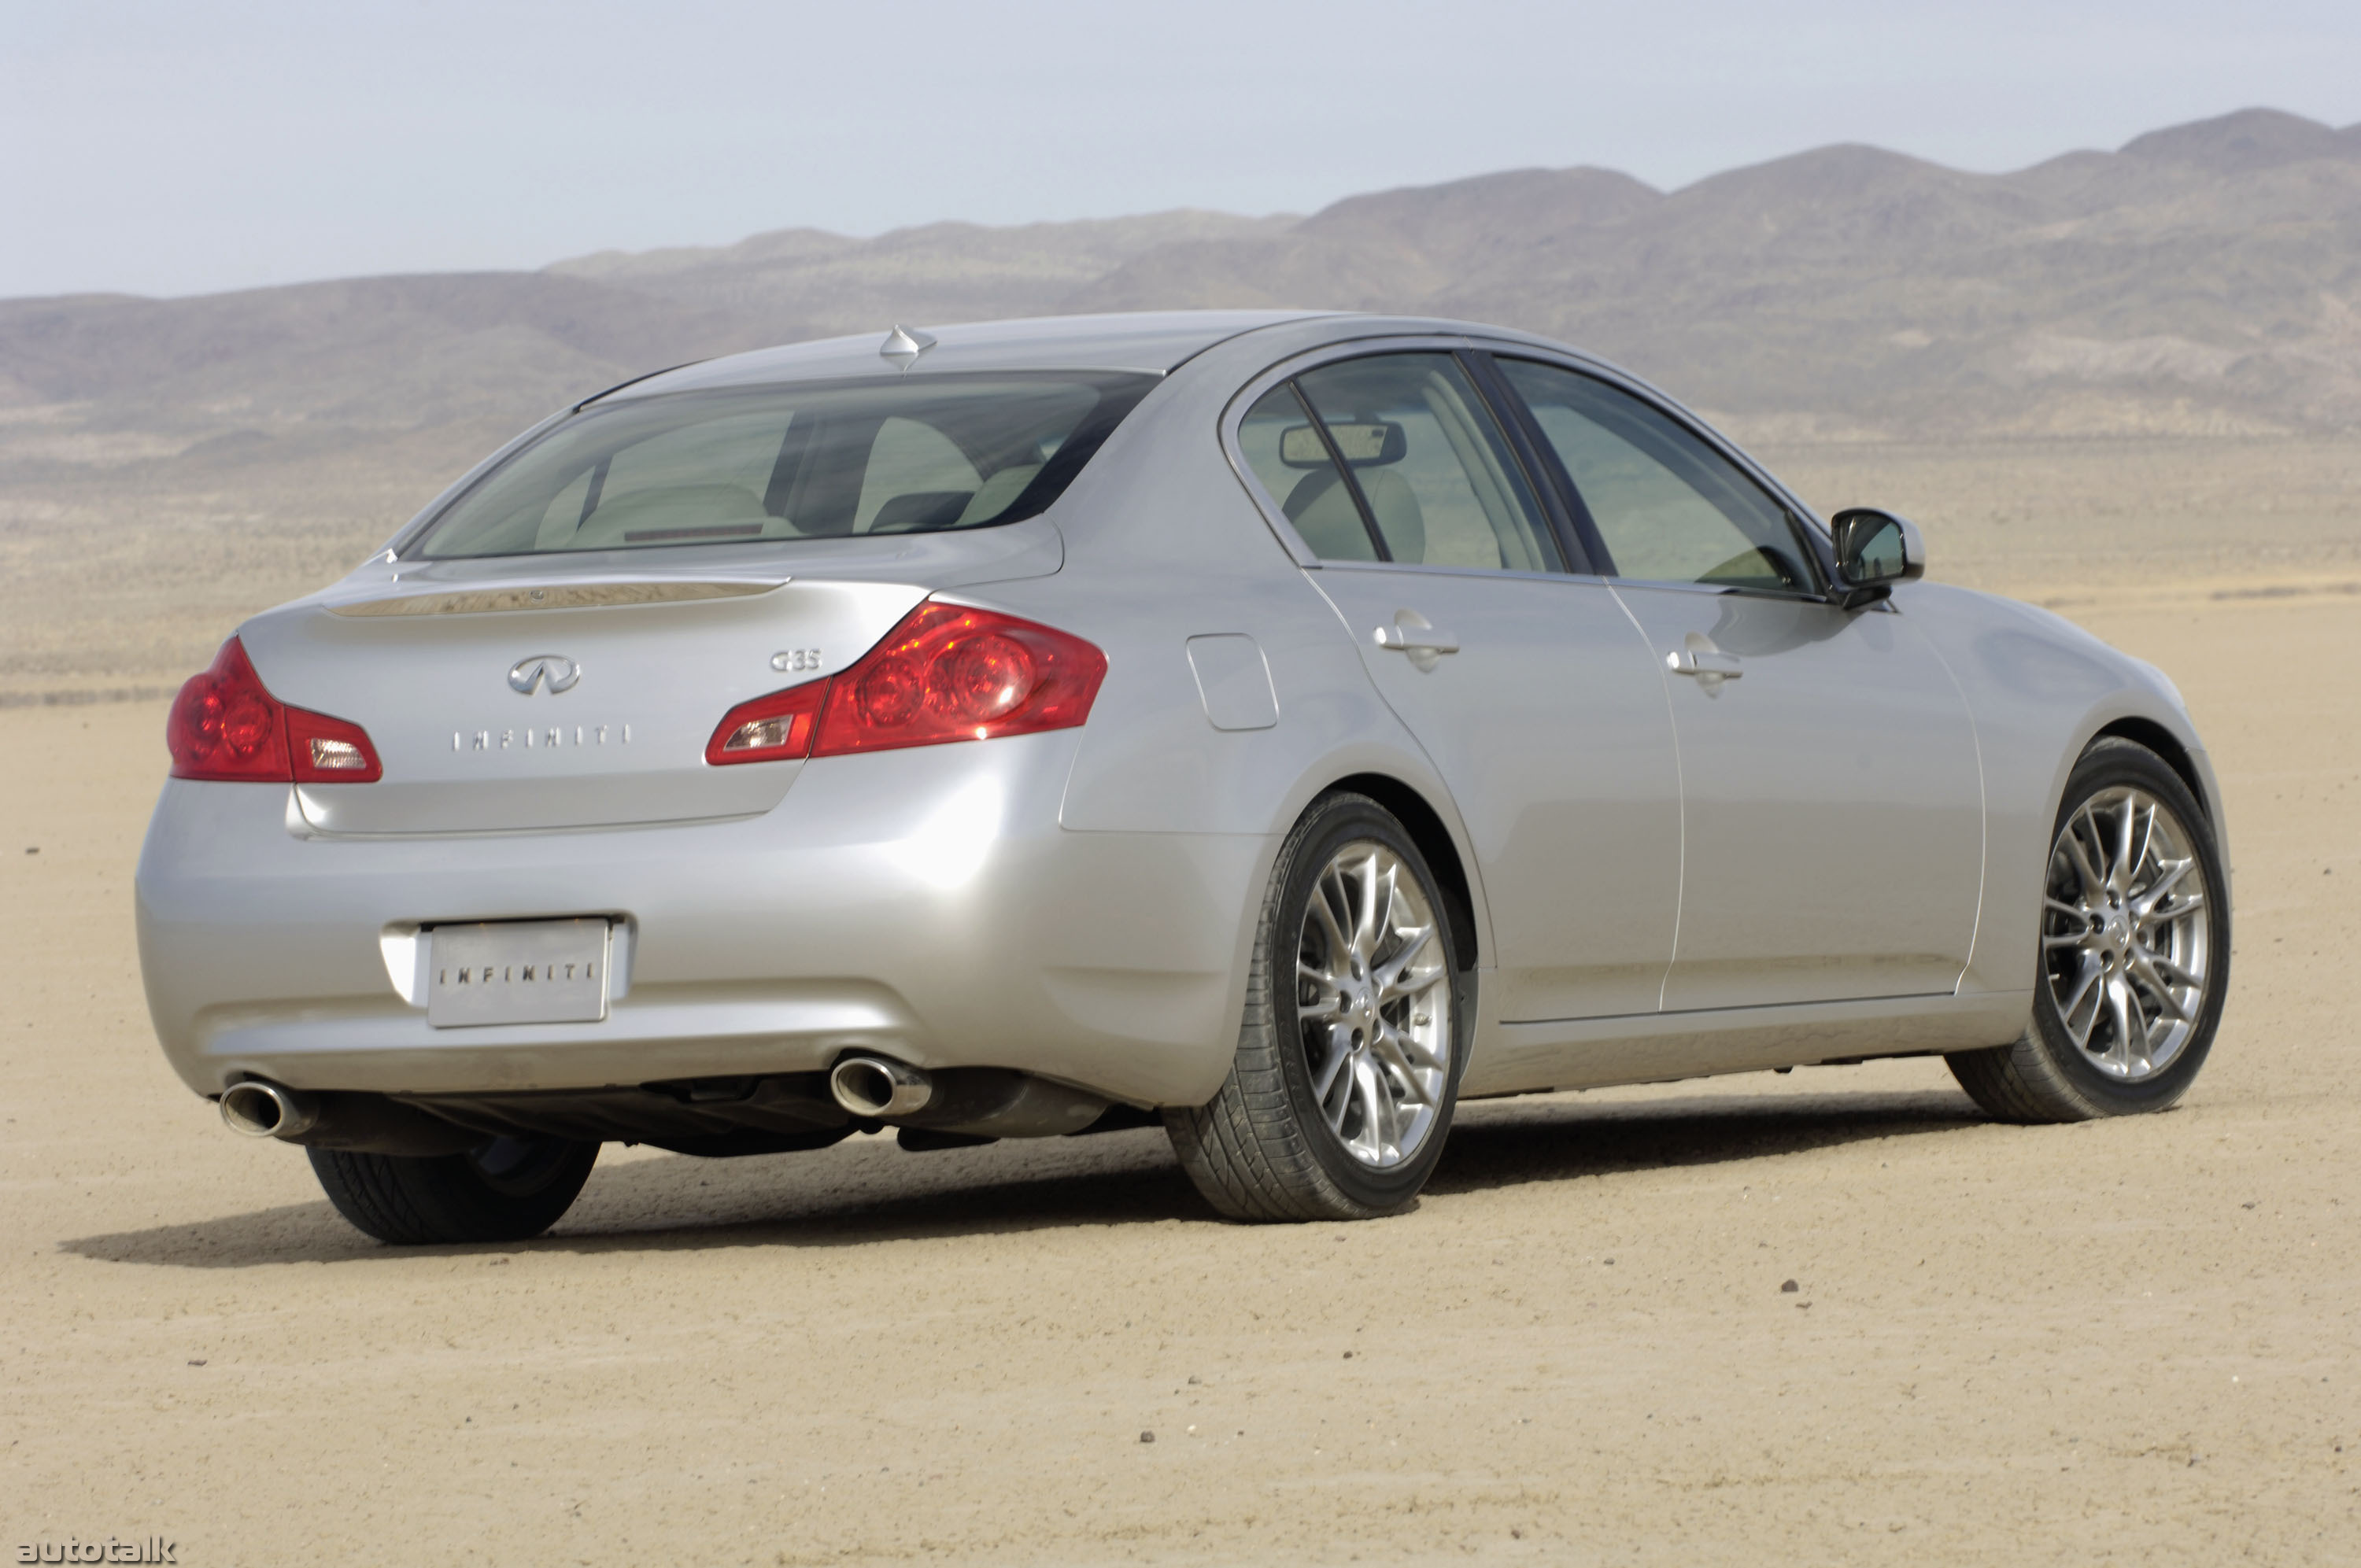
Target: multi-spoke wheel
{"type": "Point", "coordinates": [1373, 1004]}
{"type": "Point", "coordinates": [1348, 1060]}
{"type": "Point", "coordinates": [2124, 939]}
{"type": "Point", "coordinates": [2134, 951]}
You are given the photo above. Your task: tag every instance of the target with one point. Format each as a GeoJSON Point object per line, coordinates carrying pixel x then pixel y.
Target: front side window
{"type": "Point", "coordinates": [1668, 507]}
{"type": "Point", "coordinates": [789, 462]}
{"type": "Point", "coordinates": [1426, 476]}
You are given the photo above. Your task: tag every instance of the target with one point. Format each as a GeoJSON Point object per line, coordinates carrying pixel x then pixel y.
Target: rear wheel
{"type": "Point", "coordinates": [1349, 1055]}
{"type": "Point", "coordinates": [509, 1190]}
{"type": "Point", "coordinates": [2134, 952]}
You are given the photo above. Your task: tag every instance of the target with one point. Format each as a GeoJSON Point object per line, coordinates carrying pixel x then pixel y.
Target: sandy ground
{"type": "Point", "coordinates": [2136, 1341]}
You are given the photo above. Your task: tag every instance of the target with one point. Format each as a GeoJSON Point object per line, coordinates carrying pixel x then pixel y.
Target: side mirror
{"type": "Point", "coordinates": [1875, 550]}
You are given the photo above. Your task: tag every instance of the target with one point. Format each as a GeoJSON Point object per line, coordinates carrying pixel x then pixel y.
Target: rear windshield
{"type": "Point", "coordinates": [815, 461]}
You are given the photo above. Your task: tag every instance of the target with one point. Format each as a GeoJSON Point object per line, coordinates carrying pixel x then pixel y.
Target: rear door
{"type": "Point", "coordinates": [1527, 685]}
{"type": "Point", "coordinates": [1832, 797]}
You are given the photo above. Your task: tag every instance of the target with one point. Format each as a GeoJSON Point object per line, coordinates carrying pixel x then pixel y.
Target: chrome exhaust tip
{"type": "Point", "coordinates": [264, 1110]}
{"type": "Point", "coordinates": [880, 1086]}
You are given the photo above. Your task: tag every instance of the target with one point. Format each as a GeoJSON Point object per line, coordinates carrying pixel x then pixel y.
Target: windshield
{"type": "Point", "coordinates": [815, 461]}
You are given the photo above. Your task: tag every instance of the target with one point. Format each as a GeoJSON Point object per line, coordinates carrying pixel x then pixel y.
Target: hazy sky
{"type": "Point", "coordinates": [187, 147]}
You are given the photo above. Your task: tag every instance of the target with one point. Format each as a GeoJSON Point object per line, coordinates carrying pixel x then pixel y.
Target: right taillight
{"type": "Point", "coordinates": [225, 725]}
{"type": "Point", "coordinates": [946, 672]}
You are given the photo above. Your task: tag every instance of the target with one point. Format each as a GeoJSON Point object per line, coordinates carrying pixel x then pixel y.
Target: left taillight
{"type": "Point", "coordinates": [225, 725]}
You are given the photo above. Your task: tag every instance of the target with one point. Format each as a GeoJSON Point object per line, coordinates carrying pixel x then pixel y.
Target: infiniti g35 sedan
{"type": "Point", "coordinates": [1282, 727]}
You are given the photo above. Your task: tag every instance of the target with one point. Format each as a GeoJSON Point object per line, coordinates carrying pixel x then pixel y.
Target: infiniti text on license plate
{"type": "Point", "coordinates": [517, 972]}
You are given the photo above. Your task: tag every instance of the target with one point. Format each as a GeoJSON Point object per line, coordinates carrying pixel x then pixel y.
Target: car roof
{"type": "Point", "coordinates": [1149, 341]}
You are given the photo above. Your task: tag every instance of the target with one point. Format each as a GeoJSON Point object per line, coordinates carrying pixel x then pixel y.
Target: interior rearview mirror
{"type": "Point", "coordinates": [1875, 550]}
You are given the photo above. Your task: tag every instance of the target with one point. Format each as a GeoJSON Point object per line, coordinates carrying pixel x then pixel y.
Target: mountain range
{"type": "Point", "coordinates": [1874, 322]}
{"type": "Point", "coordinates": [2202, 279]}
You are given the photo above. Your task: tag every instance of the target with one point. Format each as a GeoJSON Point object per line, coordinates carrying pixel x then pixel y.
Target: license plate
{"type": "Point", "coordinates": [517, 972]}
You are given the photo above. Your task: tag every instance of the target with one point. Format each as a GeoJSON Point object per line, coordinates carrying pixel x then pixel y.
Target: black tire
{"type": "Point", "coordinates": [1262, 1149]}
{"type": "Point", "coordinates": [511, 1190]}
{"type": "Point", "coordinates": [2044, 1077]}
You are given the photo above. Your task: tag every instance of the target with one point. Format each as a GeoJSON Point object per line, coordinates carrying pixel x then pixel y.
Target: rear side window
{"type": "Point", "coordinates": [1286, 452]}
{"type": "Point", "coordinates": [1669, 508]}
{"type": "Point", "coordinates": [783, 464]}
{"type": "Point", "coordinates": [1426, 471]}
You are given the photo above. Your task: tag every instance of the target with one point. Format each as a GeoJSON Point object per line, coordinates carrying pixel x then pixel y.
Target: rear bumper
{"type": "Point", "coordinates": [923, 903]}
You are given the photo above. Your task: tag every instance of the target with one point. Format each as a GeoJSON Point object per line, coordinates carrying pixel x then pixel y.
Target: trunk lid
{"type": "Point", "coordinates": [530, 695]}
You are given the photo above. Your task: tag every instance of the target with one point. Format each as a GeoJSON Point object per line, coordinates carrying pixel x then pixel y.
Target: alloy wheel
{"type": "Point", "coordinates": [2126, 942]}
{"type": "Point", "coordinates": [1373, 1005]}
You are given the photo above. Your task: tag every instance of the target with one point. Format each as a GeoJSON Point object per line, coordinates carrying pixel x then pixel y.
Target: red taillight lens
{"type": "Point", "coordinates": [226, 725]}
{"type": "Point", "coordinates": [946, 672]}
{"type": "Point", "coordinates": [774, 728]}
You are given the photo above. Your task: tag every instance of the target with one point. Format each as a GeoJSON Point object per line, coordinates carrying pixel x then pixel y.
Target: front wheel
{"type": "Point", "coordinates": [1354, 1033]}
{"type": "Point", "coordinates": [511, 1190]}
{"type": "Point", "coordinates": [2135, 955]}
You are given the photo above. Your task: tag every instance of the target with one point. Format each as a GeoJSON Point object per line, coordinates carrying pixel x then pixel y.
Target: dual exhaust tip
{"type": "Point", "coordinates": [964, 1102]}
{"type": "Point", "coordinates": [880, 1087]}
{"type": "Point", "coordinates": [866, 1086]}
{"type": "Point", "coordinates": [260, 1109]}
{"type": "Point", "coordinates": [873, 1086]}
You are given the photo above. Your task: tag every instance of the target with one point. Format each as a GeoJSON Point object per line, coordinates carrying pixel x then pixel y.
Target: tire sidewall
{"type": "Point", "coordinates": [468, 1203]}
{"type": "Point", "coordinates": [1338, 821]}
{"type": "Point", "coordinates": [2108, 764]}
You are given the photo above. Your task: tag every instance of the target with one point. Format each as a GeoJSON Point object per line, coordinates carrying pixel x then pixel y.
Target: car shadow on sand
{"type": "Point", "coordinates": [871, 1191]}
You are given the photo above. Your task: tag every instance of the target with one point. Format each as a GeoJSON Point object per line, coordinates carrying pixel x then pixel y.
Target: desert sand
{"type": "Point", "coordinates": [2134, 1341]}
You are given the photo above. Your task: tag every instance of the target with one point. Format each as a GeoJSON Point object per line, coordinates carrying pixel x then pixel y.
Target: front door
{"type": "Point", "coordinates": [1530, 689]}
{"type": "Point", "coordinates": [1832, 823]}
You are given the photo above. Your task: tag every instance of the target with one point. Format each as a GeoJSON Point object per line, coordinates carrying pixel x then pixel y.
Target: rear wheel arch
{"type": "Point", "coordinates": [1427, 830]}
{"type": "Point", "coordinates": [1285, 1138]}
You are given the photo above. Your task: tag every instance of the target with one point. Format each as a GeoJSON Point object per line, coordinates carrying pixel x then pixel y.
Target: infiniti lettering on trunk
{"type": "Point", "coordinates": [547, 738]}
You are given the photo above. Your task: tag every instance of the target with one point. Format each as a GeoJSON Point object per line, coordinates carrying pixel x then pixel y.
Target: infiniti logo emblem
{"type": "Point", "coordinates": [529, 673]}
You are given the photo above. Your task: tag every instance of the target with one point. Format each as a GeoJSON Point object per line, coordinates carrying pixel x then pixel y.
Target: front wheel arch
{"type": "Point", "coordinates": [2044, 1076]}
{"type": "Point", "coordinates": [2156, 737]}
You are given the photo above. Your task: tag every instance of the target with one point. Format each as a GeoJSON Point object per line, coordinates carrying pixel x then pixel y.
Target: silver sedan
{"type": "Point", "coordinates": [1282, 727]}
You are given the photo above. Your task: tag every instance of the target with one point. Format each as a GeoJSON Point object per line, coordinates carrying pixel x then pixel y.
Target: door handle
{"type": "Point", "coordinates": [1705, 662]}
{"type": "Point", "coordinates": [1411, 634]}
{"type": "Point", "coordinates": [1417, 639]}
